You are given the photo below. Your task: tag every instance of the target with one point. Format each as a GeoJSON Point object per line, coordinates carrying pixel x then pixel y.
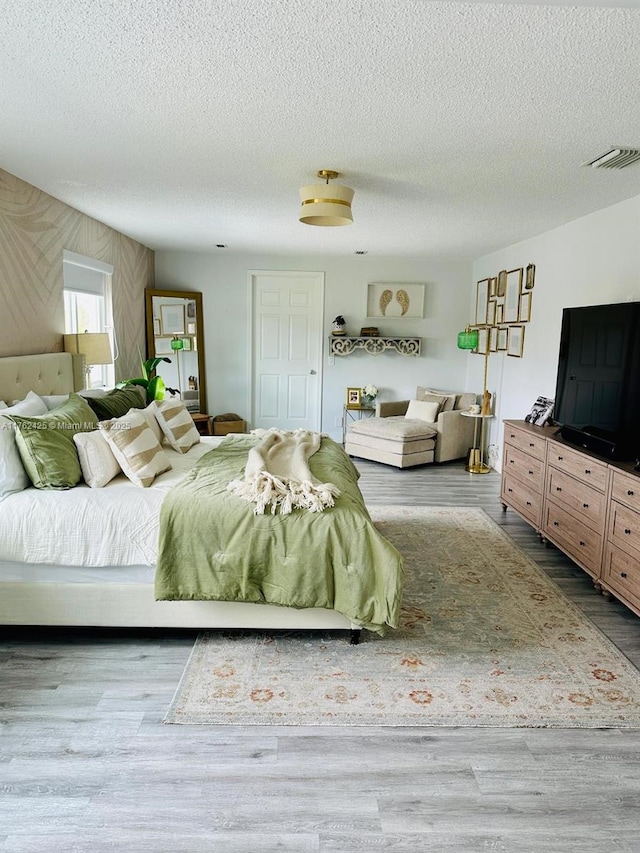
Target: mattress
{"type": "Point", "coordinates": [115, 526]}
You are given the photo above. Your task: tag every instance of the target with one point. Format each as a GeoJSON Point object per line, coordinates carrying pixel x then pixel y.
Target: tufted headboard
{"type": "Point", "coordinates": [49, 373]}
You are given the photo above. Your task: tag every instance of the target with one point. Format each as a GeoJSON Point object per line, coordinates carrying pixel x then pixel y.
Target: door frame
{"type": "Point", "coordinates": [320, 276]}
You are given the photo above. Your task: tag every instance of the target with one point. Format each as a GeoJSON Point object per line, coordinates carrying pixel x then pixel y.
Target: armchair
{"type": "Point", "coordinates": [395, 439]}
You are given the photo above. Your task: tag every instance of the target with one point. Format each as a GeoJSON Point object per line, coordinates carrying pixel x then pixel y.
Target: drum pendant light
{"type": "Point", "coordinates": [325, 205]}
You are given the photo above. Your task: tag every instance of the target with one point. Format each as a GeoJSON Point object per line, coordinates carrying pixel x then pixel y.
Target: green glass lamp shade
{"type": "Point", "coordinates": [178, 343]}
{"type": "Point", "coordinates": [468, 339]}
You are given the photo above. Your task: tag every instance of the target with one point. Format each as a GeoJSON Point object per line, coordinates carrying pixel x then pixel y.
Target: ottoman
{"type": "Point", "coordinates": [398, 441]}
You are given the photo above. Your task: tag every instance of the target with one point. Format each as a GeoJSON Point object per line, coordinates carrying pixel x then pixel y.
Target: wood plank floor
{"type": "Point", "coordinates": [87, 765]}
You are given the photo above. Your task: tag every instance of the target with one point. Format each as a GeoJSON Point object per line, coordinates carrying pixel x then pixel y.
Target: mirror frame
{"type": "Point", "coordinates": [196, 297]}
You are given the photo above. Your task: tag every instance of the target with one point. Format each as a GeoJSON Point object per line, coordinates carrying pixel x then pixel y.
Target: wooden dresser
{"type": "Point", "coordinates": [587, 506]}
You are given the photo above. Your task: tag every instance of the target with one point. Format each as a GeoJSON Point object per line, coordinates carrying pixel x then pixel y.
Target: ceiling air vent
{"type": "Point", "coordinates": [616, 158]}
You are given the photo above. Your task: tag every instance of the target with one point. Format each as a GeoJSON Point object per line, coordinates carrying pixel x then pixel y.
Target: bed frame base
{"type": "Point", "coordinates": [134, 606]}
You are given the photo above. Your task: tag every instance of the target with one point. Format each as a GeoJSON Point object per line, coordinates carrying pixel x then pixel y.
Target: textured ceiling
{"type": "Point", "coordinates": [462, 127]}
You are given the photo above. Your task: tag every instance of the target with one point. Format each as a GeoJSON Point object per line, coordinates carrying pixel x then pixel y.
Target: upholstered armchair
{"type": "Point", "coordinates": [403, 433]}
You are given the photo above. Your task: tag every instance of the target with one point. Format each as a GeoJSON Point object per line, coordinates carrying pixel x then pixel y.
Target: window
{"type": "Point", "coordinates": [87, 307]}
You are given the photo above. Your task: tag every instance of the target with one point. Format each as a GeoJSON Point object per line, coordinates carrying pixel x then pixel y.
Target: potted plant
{"type": "Point", "coordinates": [153, 384]}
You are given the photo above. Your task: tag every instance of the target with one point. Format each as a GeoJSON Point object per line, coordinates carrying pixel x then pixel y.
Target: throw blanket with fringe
{"type": "Point", "coordinates": [277, 474]}
{"type": "Point", "coordinates": [212, 546]}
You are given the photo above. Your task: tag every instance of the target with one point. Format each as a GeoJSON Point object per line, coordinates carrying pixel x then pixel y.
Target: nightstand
{"type": "Point", "coordinates": [203, 423]}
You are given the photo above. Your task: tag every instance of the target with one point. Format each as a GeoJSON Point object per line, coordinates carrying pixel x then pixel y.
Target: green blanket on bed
{"type": "Point", "coordinates": [212, 546]}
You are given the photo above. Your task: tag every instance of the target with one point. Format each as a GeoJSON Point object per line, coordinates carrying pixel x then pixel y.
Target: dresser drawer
{"type": "Point", "coordinates": [576, 538]}
{"type": "Point", "coordinates": [526, 468]}
{"type": "Point", "coordinates": [574, 496]}
{"type": "Point", "coordinates": [532, 444]}
{"type": "Point", "coordinates": [621, 574]}
{"type": "Point", "coordinates": [579, 465]}
{"type": "Point", "coordinates": [626, 490]}
{"type": "Point", "coordinates": [523, 498]}
{"type": "Point", "coordinates": [624, 528]}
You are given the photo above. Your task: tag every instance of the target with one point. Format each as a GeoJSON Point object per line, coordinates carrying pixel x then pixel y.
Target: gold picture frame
{"type": "Point", "coordinates": [515, 341]}
{"type": "Point", "coordinates": [501, 339]}
{"type": "Point", "coordinates": [502, 283]}
{"type": "Point", "coordinates": [530, 277]}
{"type": "Point", "coordinates": [524, 312]}
{"type": "Point", "coordinates": [482, 302]}
{"type": "Point", "coordinates": [511, 312]}
{"type": "Point", "coordinates": [354, 398]}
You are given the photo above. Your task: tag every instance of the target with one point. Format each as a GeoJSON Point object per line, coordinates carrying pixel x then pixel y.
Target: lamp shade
{"type": "Point", "coordinates": [468, 339]}
{"type": "Point", "coordinates": [324, 204]}
{"type": "Point", "coordinates": [95, 346]}
{"type": "Point", "coordinates": [177, 343]}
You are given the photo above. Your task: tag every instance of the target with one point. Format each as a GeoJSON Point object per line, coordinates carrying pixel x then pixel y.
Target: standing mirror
{"type": "Point", "coordinates": [175, 331]}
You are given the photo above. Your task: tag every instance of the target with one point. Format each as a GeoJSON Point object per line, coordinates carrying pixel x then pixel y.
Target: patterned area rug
{"type": "Point", "coordinates": [486, 640]}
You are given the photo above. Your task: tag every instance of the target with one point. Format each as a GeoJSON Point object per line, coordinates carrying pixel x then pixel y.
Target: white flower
{"type": "Point", "coordinates": [370, 391]}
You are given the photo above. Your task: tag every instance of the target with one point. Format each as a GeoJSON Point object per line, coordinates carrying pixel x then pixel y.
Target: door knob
{"type": "Point", "coordinates": [312, 372]}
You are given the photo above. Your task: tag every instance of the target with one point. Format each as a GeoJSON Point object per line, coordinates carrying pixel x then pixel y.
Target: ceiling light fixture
{"type": "Point", "coordinates": [324, 205]}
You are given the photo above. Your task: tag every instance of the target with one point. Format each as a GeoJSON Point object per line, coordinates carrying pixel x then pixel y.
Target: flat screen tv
{"type": "Point", "coordinates": [598, 386]}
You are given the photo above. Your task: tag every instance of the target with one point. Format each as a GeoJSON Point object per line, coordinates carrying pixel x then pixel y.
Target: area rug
{"type": "Point", "coordinates": [487, 639]}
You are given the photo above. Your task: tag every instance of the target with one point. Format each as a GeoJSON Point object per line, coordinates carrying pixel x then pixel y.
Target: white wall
{"type": "Point", "coordinates": [223, 280]}
{"type": "Point", "coordinates": [593, 260]}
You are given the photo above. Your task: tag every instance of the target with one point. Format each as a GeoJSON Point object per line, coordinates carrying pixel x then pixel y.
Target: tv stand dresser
{"type": "Point", "coordinates": [588, 506]}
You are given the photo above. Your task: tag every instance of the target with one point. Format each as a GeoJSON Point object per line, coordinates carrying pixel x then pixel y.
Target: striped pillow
{"type": "Point", "coordinates": [177, 424]}
{"type": "Point", "coordinates": [135, 447]}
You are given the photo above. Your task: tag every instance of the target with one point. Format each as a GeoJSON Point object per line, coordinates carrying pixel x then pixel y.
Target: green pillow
{"type": "Point", "coordinates": [117, 403]}
{"type": "Point", "coordinates": [46, 444]}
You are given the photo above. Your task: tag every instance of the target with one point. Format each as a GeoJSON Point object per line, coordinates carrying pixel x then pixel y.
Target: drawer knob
{"type": "Point", "coordinates": [585, 506]}
{"type": "Point", "coordinates": [509, 490]}
{"type": "Point", "coordinates": [558, 488]}
{"type": "Point", "coordinates": [630, 491]}
{"type": "Point", "coordinates": [531, 472]}
{"type": "Point", "coordinates": [528, 503]}
{"type": "Point", "coordinates": [582, 543]}
{"type": "Point", "coordinates": [531, 444]}
{"type": "Point", "coordinates": [623, 574]}
{"type": "Point", "coordinates": [511, 462]}
{"type": "Point", "coordinates": [627, 531]}
{"type": "Point", "coordinates": [556, 524]}
{"type": "Point", "coordinates": [587, 470]}
{"type": "Point", "coordinates": [512, 435]}
{"type": "Point", "coordinates": [560, 458]}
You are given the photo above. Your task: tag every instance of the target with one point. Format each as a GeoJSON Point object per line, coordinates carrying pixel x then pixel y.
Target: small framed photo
{"type": "Point", "coordinates": [482, 302]}
{"type": "Point", "coordinates": [499, 313]}
{"type": "Point", "coordinates": [491, 312]}
{"type": "Point", "coordinates": [191, 328]}
{"type": "Point", "coordinates": [525, 307]}
{"type": "Point", "coordinates": [502, 283]}
{"type": "Point", "coordinates": [493, 287]}
{"type": "Point", "coordinates": [483, 341]}
{"type": "Point", "coordinates": [511, 312]}
{"type": "Point", "coordinates": [530, 274]}
{"type": "Point", "coordinates": [156, 326]}
{"type": "Point", "coordinates": [163, 346]}
{"type": "Point", "coordinates": [515, 341]}
{"type": "Point", "coordinates": [501, 339]}
{"type": "Point", "coordinates": [172, 319]}
{"type": "Point", "coordinates": [541, 411]}
{"type": "Point", "coordinates": [493, 339]}
{"type": "Point", "coordinates": [354, 398]}
{"type": "Point", "coordinates": [191, 309]}
{"type": "Point", "coordinates": [186, 344]}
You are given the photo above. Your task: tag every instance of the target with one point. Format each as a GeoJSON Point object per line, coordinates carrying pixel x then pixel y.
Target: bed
{"type": "Point", "coordinates": [72, 584]}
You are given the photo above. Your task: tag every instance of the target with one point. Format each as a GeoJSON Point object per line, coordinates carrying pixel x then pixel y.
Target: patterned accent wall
{"type": "Point", "coordinates": [34, 230]}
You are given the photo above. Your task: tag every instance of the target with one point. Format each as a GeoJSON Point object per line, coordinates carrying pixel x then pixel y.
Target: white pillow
{"type": "Point", "coordinates": [3, 405]}
{"type": "Point", "coordinates": [135, 447]}
{"type": "Point", "coordinates": [52, 401]}
{"type": "Point", "coordinates": [177, 424]}
{"type": "Point", "coordinates": [99, 465]}
{"type": "Point", "coordinates": [150, 417]}
{"type": "Point", "coordinates": [13, 477]}
{"type": "Point", "coordinates": [422, 411]}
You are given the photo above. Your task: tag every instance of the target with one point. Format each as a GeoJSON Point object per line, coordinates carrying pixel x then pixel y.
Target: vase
{"type": "Point", "coordinates": [368, 402]}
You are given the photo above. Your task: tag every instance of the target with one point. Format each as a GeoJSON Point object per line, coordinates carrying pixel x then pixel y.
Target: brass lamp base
{"type": "Point", "coordinates": [479, 468]}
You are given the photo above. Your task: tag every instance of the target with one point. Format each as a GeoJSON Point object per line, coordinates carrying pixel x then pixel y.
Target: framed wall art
{"type": "Point", "coordinates": [511, 313]}
{"type": "Point", "coordinates": [524, 314]}
{"type": "Point", "coordinates": [493, 339]}
{"type": "Point", "coordinates": [501, 283]}
{"type": "Point", "coordinates": [491, 312]}
{"type": "Point", "coordinates": [483, 341]}
{"type": "Point", "coordinates": [398, 301]}
{"type": "Point", "coordinates": [515, 341]}
{"type": "Point", "coordinates": [501, 339]}
{"type": "Point", "coordinates": [163, 346]}
{"type": "Point", "coordinates": [172, 319]}
{"type": "Point", "coordinates": [482, 302]}
{"type": "Point", "coordinates": [530, 275]}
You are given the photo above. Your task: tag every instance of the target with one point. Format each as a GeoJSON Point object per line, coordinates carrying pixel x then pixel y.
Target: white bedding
{"type": "Point", "coordinates": [113, 526]}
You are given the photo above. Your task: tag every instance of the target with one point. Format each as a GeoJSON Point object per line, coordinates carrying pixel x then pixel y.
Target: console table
{"type": "Point", "coordinates": [588, 506]}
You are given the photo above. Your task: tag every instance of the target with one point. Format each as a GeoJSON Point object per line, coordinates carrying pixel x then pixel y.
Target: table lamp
{"type": "Point", "coordinates": [94, 346]}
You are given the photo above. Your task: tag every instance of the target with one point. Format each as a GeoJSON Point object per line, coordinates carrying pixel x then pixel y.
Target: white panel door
{"type": "Point", "coordinates": [286, 349]}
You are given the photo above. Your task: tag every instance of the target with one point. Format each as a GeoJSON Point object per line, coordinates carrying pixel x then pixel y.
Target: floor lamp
{"type": "Point", "coordinates": [176, 345]}
{"type": "Point", "coordinates": [468, 340]}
